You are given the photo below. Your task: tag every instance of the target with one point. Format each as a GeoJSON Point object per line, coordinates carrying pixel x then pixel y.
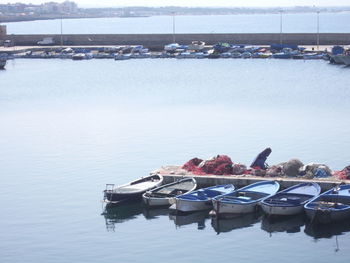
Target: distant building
{"type": "Point", "coordinates": [69, 7]}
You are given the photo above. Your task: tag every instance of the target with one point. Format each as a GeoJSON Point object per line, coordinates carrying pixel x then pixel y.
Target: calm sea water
{"type": "Point", "coordinates": [269, 23]}
{"type": "Point", "coordinates": [70, 127]}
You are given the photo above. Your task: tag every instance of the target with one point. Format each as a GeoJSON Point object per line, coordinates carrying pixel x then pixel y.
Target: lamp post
{"type": "Point", "coordinates": [318, 31]}
{"type": "Point", "coordinates": [173, 14]}
{"type": "Point", "coordinates": [61, 31]}
{"type": "Point", "coordinates": [281, 24]}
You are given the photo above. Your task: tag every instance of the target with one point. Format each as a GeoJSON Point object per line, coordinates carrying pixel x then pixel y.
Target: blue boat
{"type": "Point", "coordinates": [332, 205]}
{"type": "Point", "coordinates": [200, 199]}
{"type": "Point", "coordinates": [282, 55]}
{"type": "Point", "coordinates": [245, 199]}
{"type": "Point", "coordinates": [290, 201]}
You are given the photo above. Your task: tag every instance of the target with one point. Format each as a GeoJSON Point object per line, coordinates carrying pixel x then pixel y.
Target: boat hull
{"type": "Point", "coordinates": [153, 201]}
{"type": "Point", "coordinates": [2, 64]}
{"type": "Point", "coordinates": [117, 197]}
{"type": "Point", "coordinates": [282, 210]}
{"type": "Point", "coordinates": [325, 216]}
{"type": "Point", "coordinates": [192, 205]}
{"type": "Point", "coordinates": [345, 60]}
{"type": "Point", "coordinates": [222, 208]}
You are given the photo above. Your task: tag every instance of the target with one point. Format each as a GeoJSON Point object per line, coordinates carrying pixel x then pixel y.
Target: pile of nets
{"type": "Point", "coordinates": [218, 165]}
{"type": "Point", "coordinates": [343, 174]}
{"type": "Point", "coordinates": [223, 165]}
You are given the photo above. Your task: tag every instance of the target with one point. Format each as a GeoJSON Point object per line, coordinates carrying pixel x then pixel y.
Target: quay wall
{"type": "Point", "coordinates": [240, 181]}
{"type": "Point", "coordinates": [157, 41]}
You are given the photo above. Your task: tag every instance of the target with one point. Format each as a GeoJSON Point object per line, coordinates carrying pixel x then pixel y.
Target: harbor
{"type": "Point", "coordinates": [149, 118]}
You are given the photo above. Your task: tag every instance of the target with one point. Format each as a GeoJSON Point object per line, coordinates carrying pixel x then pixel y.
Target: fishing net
{"type": "Point", "coordinates": [343, 174]}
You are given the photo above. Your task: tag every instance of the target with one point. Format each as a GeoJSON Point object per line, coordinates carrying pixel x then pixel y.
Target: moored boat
{"type": "Point", "coordinates": [3, 60]}
{"type": "Point", "coordinates": [82, 56]}
{"type": "Point", "coordinates": [131, 191]}
{"type": "Point", "coordinates": [332, 205]}
{"type": "Point", "coordinates": [196, 45]}
{"type": "Point", "coordinates": [121, 56]}
{"type": "Point", "coordinates": [290, 201]}
{"type": "Point", "coordinates": [345, 59]}
{"type": "Point", "coordinates": [165, 194]}
{"type": "Point", "coordinates": [336, 59]}
{"type": "Point", "coordinates": [245, 199]}
{"type": "Point", "coordinates": [171, 47]}
{"type": "Point", "coordinates": [200, 199]}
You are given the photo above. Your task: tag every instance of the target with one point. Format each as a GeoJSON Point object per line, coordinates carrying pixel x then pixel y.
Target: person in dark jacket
{"type": "Point", "coordinates": [260, 160]}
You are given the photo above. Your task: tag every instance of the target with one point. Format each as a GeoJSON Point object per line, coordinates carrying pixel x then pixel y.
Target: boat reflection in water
{"type": "Point", "coordinates": [318, 231]}
{"type": "Point", "coordinates": [288, 224]}
{"type": "Point", "coordinates": [198, 218]}
{"type": "Point", "coordinates": [331, 230]}
{"type": "Point", "coordinates": [222, 225]}
{"type": "Point", "coordinates": [116, 214]}
{"type": "Point", "coordinates": [154, 213]}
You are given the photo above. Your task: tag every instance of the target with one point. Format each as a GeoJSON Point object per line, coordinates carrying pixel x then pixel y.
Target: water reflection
{"type": "Point", "coordinates": [288, 224]}
{"type": "Point", "coordinates": [121, 213]}
{"type": "Point", "coordinates": [155, 213]}
{"type": "Point", "coordinates": [327, 230]}
{"type": "Point", "coordinates": [234, 222]}
{"type": "Point", "coordinates": [198, 218]}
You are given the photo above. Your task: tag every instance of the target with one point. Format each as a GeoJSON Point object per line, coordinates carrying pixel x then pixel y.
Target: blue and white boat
{"type": "Point", "coordinates": [332, 205]}
{"type": "Point", "coordinates": [172, 47]}
{"type": "Point", "coordinates": [290, 201]}
{"type": "Point", "coordinates": [282, 55]}
{"type": "Point", "coordinates": [245, 199]}
{"type": "Point", "coordinates": [200, 199]}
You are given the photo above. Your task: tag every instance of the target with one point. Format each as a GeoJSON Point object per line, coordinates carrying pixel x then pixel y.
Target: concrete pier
{"type": "Point", "coordinates": [172, 173]}
{"type": "Point", "coordinates": [157, 41]}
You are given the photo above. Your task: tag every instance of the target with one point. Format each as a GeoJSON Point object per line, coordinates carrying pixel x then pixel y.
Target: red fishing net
{"type": "Point", "coordinates": [218, 165]}
{"type": "Point", "coordinates": [343, 174]}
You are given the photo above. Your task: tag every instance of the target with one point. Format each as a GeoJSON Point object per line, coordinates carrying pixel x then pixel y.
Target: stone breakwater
{"type": "Point", "coordinates": [157, 41]}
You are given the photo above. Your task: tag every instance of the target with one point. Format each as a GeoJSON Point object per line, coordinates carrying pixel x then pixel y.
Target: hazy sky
{"type": "Point", "coordinates": [247, 3]}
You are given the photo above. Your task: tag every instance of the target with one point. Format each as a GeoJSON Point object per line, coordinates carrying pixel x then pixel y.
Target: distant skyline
{"type": "Point", "coordinates": [193, 3]}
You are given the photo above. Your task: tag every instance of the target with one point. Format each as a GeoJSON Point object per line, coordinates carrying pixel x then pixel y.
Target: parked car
{"type": "Point", "coordinates": [8, 43]}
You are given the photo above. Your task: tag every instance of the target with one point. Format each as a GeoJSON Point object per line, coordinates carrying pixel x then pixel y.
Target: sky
{"type": "Point", "coordinates": [193, 3]}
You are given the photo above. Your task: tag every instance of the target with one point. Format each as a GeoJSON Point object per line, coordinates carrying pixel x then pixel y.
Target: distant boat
{"type": "Point", "coordinates": [186, 55]}
{"type": "Point", "coordinates": [200, 199]}
{"type": "Point", "coordinates": [196, 45]}
{"type": "Point", "coordinates": [121, 56]}
{"type": "Point", "coordinates": [332, 205]}
{"type": "Point", "coordinates": [345, 59]}
{"type": "Point", "coordinates": [282, 55]}
{"type": "Point", "coordinates": [172, 47]}
{"type": "Point", "coordinates": [336, 59]}
{"type": "Point", "coordinates": [131, 191]}
{"type": "Point", "coordinates": [81, 56]}
{"type": "Point", "coordinates": [3, 60]}
{"type": "Point", "coordinates": [246, 54]}
{"type": "Point", "coordinates": [165, 194]}
{"type": "Point", "coordinates": [245, 199]}
{"type": "Point", "coordinates": [313, 56]}
{"type": "Point", "coordinates": [290, 201]}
